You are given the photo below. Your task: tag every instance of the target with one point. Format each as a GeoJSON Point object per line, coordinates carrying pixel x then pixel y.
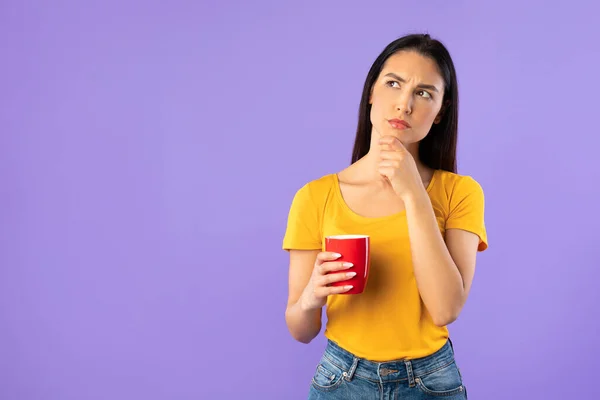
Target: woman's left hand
{"type": "Point", "coordinates": [399, 167]}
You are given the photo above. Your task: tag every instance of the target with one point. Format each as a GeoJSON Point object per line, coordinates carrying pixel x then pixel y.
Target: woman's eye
{"type": "Point", "coordinates": [423, 93]}
{"type": "Point", "coordinates": [393, 84]}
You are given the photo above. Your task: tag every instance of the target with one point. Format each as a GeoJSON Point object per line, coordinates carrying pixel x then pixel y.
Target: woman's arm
{"type": "Point", "coordinates": [303, 324]}
{"type": "Point", "coordinates": [443, 270]}
{"type": "Point", "coordinates": [311, 274]}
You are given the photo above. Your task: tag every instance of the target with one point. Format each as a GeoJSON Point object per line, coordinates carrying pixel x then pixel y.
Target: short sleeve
{"type": "Point", "coordinates": [303, 225]}
{"type": "Point", "coordinates": [467, 206]}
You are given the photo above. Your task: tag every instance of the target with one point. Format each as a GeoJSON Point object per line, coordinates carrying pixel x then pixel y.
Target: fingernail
{"type": "Point", "coordinates": [348, 287]}
{"type": "Point", "coordinates": [348, 264]}
{"type": "Point", "coordinates": [338, 255]}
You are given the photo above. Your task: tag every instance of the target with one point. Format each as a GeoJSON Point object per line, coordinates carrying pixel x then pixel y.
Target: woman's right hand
{"type": "Point", "coordinates": [315, 294]}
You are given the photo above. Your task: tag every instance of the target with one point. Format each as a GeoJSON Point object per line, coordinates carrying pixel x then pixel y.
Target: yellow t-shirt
{"type": "Point", "coordinates": [388, 321]}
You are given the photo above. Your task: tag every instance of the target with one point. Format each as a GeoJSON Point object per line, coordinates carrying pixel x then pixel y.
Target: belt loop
{"type": "Point", "coordinates": [348, 375]}
{"type": "Point", "coordinates": [409, 371]}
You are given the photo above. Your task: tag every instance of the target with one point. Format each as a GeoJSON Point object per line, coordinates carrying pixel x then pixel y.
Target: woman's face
{"type": "Point", "coordinates": [407, 97]}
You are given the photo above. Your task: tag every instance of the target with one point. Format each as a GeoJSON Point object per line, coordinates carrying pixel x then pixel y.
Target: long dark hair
{"type": "Point", "coordinates": [438, 149]}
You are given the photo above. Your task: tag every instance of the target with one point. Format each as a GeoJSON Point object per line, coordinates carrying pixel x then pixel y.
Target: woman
{"type": "Point", "coordinates": [426, 225]}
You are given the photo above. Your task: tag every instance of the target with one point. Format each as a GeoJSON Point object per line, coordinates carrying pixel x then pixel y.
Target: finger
{"type": "Point", "coordinates": [386, 143]}
{"type": "Point", "coordinates": [339, 289]}
{"type": "Point", "coordinates": [398, 145]}
{"type": "Point", "coordinates": [393, 142]}
{"type": "Point", "coordinates": [333, 266]}
{"type": "Point", "coordinates": [327, 256]}
{"type": "Point", "coordinates": [325, 291]}
{"type": "Point", "coordinates": [389, 164]}
{"type": "Point", "coordinates": [387, 172]}
{"type": "Point", "coordinates": [391, 148]}
{"type": "Point", "coordinates": [323, 267]}
{"type": "Point", "coordinates": [390, 155]}
{"type": "Point", "coordinates": [328, 267]}
{"type": "Point", "coordinates": [388, 139]}
{"type": "Point", "coordinates": [337, 277]}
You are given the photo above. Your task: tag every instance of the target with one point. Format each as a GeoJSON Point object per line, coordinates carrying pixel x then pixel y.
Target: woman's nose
{"type": "Point", "coordinates": [404, 105]}
{"type": "Point", "coordinates": [404, 101]}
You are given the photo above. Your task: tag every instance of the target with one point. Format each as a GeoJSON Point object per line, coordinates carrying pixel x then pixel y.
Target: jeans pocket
{"type": "Point", "coordinates": [443, 382]}
{"type": "Point", "coordinates": [328, 376]}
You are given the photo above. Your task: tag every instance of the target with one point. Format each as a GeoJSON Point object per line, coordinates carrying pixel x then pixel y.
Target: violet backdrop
{"type": "Point", "coordinates": [149, 152]}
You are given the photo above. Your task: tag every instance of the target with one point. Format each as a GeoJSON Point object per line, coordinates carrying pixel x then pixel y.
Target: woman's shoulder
{"type": "Point", "coordinates": [323, 182]}
{"type": "Point", "coordinates": [319, 187]}
{"type": "Point", "coordinates": [452, 180]}
{"type": "Point", "coordinates": [453, 187]}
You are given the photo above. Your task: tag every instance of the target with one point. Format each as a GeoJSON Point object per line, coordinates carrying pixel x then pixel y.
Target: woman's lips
{"type": "Point", "coordinates": [399, 124]}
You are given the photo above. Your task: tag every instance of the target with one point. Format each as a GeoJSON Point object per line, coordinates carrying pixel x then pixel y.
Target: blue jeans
{"type": "Point", "coordinates": [342, 375]}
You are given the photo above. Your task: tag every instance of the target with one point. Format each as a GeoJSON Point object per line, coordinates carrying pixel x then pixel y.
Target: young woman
{"type": "Point", "coordinates": [426, 225]}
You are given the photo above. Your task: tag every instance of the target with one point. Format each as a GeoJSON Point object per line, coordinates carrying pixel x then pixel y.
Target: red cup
{"type": "Point", "coordinates": [354, 249]}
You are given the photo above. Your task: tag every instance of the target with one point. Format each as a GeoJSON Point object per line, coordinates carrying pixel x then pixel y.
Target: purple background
{"type": "Point", "coordinates": [150, 152]}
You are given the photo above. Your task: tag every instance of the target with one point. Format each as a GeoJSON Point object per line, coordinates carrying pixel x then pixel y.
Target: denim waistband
{"type": "Point", "coordinates": [397, 370]}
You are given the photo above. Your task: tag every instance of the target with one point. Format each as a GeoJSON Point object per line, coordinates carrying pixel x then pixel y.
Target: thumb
{"type": "Point", "coordinates": [399, 145]}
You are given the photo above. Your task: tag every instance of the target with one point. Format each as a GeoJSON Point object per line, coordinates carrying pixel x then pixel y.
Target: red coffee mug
{"type": "Point", "coordinates": [354, 249]}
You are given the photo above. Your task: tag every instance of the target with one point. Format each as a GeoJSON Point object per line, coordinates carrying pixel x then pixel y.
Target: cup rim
{"type": "Point", "coordinates": [346, 237]}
